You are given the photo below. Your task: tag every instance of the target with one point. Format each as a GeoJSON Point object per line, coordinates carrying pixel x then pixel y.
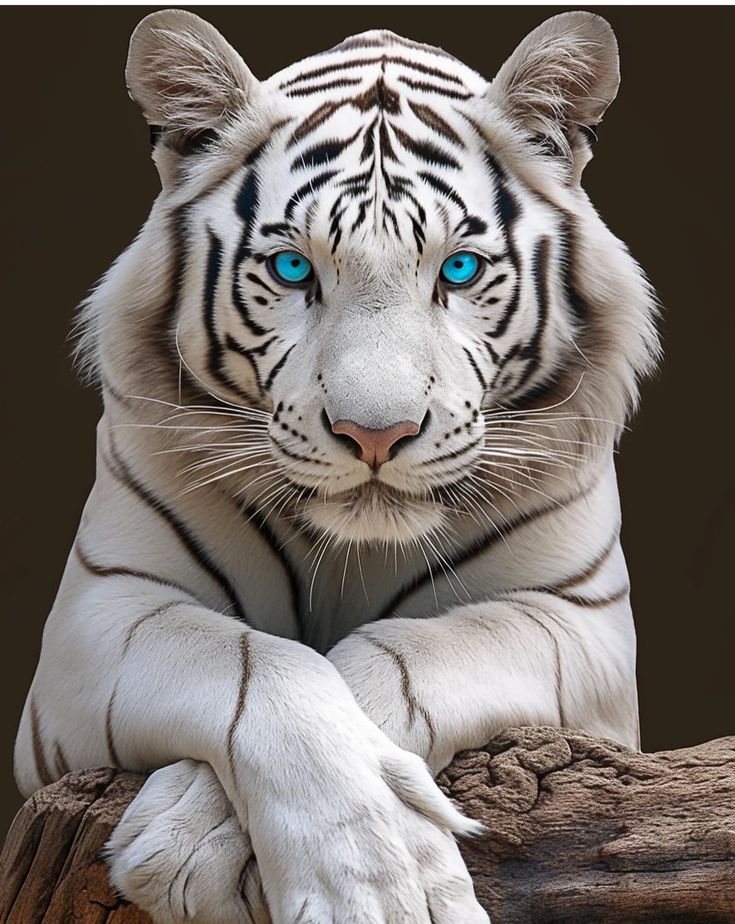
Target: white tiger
{"type": "Point", "coordinates": [363, 369]}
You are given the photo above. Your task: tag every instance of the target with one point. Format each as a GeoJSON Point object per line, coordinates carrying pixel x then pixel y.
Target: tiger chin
{"type": "Point", "coordinates": [375, 513]}
{"type": "Point", "coordinates": [364, 370]}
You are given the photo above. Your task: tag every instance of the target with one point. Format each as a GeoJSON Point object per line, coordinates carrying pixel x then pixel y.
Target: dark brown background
{"type": "Point", "coordinates": [78, 184]}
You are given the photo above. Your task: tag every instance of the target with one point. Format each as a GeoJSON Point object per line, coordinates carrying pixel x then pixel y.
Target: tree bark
{"type": "Point", "coordinates": [579, 829]}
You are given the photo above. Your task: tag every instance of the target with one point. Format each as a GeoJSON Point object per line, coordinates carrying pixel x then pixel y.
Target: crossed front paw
{"type": "Point", "coordinates": [181, 855]}
{"type": "Point", "coordinates": [379, 851]}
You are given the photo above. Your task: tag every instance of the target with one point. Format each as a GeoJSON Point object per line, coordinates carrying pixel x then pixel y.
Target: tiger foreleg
{"type": "Point", "coordinates": [341, 820]}
{"type": "Point", "coordinates": [441, 685]}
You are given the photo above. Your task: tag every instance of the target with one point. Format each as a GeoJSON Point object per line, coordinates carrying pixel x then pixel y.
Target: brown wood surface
{"type": "Point", "coordinates": [578, 830]}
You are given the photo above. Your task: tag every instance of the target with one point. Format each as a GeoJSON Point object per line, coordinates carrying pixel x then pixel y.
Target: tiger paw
{"type": "Point", "coordinates": [180, 854]}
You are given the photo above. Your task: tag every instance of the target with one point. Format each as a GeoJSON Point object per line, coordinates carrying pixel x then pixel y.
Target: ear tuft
{"type": "Point", "coordinates": [562, 76]}
{"type": "Point", "coordinates": [183, 74]}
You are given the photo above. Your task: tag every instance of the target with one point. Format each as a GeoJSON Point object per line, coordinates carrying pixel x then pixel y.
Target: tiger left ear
{"type": "Point", "coordinates": [184, 76]}
{"type": "Point", "coordinates": [561, 78]}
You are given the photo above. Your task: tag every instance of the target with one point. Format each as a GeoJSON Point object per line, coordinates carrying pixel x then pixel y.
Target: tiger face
{"type": "Point", "coordinates": [383, 251]}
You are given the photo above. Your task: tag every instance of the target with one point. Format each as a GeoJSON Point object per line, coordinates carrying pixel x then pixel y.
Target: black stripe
{"type": "Point", "coordinates": [361, 215]}
{"type": "Point", "coordinates": [123, 474]}
{"type": "Point", "coordinates": [247, 199]}
{"type": "Point", "coordinates": [384, 143]}
{"type": "Point", "coordinates": [164, 325]}
{"type": "Point", "coordinates": [292, 575]}
{"type": "Point", "coordinates": [211, 278]}
{"type": "Point", "coordinates": [431, 118]}
{"type": "Point", "coordinates": [413, 705]}
{"type": "Point", "coordinates": [425, 150]}
{"type": "Point", "coordinates": [475, 225]}
{"type": "Point", "coordinates": [318, 72]}
{"type": "Point", "coordinates": [318, 117]}
{"type": "Point", "coordinates": [277, 368]}
{"type": "Point", "coordinates": [426, 69]}
{"type": "Point", "coordinates": [367, 62]}
{"type": "Point", "coordinates": [492, 351]}
{"type": "Point", "coordinates": [508, 211]}
{"type": "Point", "coordinates": [278, 228]}
{"type": "Point", "coordinates": [311, 187]}
{"type": "Point", "coordinates": [480, 545]}
{"type": "Point", "coordinates": [123, 571]}
{"type": "Point", "coordinates": [568, 239]}
{"type": "Point", "coordinates": [243, 310]}
{"type": "Point", "coordinates": [496, 281]}
{"type": "Point", "coordinates": [607, 600]}
{"type": "Point", "coordinates": [502, 363]}
{"type": "Point", "coordinates": [159, 611]}
{"type": "Point", "coordinates": [386, 39]}
{"type": "Point", "coordinates": [592, 568]}
{"type": "Point", "coordinates": [457, 452]}
{"type": "Point", "coordinates": [323, 153]}
{"type": "Point", "coordinates": [557, 651]}
{"type": "Point", "coordinates": [475, 368]}
{"type": "Point", "coordinates": [125, 400]}
{"type": "Point", "coordinates": [295, 455]}
{"type": "Point", "coordinates": [433, 88]}
{"type": "Point", "coordinates": [378, 96]}
{"type": "Point", "coordinates": [567, 236]}
{"type": "Point", "coordinates": [531, 351]}
{"type": "Point", "coordinates": [589, 602]}
{"type": "Point", "coordinates": [249, 354]}
{"type": "Point", "coordinates": [42, 768]}
{"type": "Point", "coordinates": [245, 674]}
{"type": "Point", "coordinates": [440, 186]}
{"type": "Point", "coordinates": [259, 282]}
{"type": "Point", "coordinates": [109, 736]}
{"type": "Point", "coordinates": [246, 205]}
{"type": "Point", "coordinates": [320, 87]}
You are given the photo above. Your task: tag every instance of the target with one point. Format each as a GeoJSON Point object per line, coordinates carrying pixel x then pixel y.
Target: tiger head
{"type": "Point", "coordinates": [389, 260]}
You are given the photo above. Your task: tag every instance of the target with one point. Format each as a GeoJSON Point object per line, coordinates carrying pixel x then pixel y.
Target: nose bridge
{"type": "Point", "coordinates": [375, 367]}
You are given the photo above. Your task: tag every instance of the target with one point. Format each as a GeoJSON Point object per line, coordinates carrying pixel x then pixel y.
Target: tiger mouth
{"type": "Point", "coordinates": [375, 511]}
{"type": "Point", "coordinates": [378, 491]}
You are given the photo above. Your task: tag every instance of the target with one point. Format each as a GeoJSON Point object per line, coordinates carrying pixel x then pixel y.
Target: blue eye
{"type": "Point", "coordinates": [460, 268]}
{"type": "Point", "coordinates": [290, 267]}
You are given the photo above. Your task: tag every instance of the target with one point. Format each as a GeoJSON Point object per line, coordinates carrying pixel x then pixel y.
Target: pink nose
{"type": "Point", "coordinates": [375, 445]}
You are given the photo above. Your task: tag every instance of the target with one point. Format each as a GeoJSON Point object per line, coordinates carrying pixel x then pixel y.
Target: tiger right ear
{"type": "Point", "coordinates": [184, 76]}
{"type": "Point", "coordinates": [561, 78]}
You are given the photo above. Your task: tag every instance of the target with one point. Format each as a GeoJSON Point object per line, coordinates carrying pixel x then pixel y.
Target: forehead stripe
{"type": "Point", "coordinates": [432, 88]}
{"type": "Point", "coordinates": [312, 122]}
{"type": "Point", "coordinates": [367, 62]}
{"type": "Point", "coordinates": [321, 87]}
{"type": "Point", "coordinates": [387, 38]}
{"type": "Point", "coordinates": [323, 152]}
{"type": "Point", "coordinates": [424, 150]}
{"type": "Point", "coordinates": [433, 120]}
{"type": "Point", "coordinates": [444, 188]}
{"type": "Point", "coordinates": [311, 187]}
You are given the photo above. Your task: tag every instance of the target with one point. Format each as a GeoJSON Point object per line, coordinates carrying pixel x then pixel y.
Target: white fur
{"type": "Point", "coordinates": [301, 731]}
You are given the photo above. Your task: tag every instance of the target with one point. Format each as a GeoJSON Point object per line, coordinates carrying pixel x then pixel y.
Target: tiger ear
{"type": "Point", "coordinates": [184, 76]}
{"type": "Point", "coordinates": [561, 78]}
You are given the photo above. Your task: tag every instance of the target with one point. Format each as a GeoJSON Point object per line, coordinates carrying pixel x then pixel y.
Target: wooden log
{"type": "Point", "coordinates": [584, 830]}
{"type": "Point", "coordinates": [579, 829]}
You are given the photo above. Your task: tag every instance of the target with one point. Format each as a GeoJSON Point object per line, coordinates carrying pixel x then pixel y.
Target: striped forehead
{"type": "Point", "coordinates": [377, 137]}
{"type": "Point", "coordinates": [360, 59]}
